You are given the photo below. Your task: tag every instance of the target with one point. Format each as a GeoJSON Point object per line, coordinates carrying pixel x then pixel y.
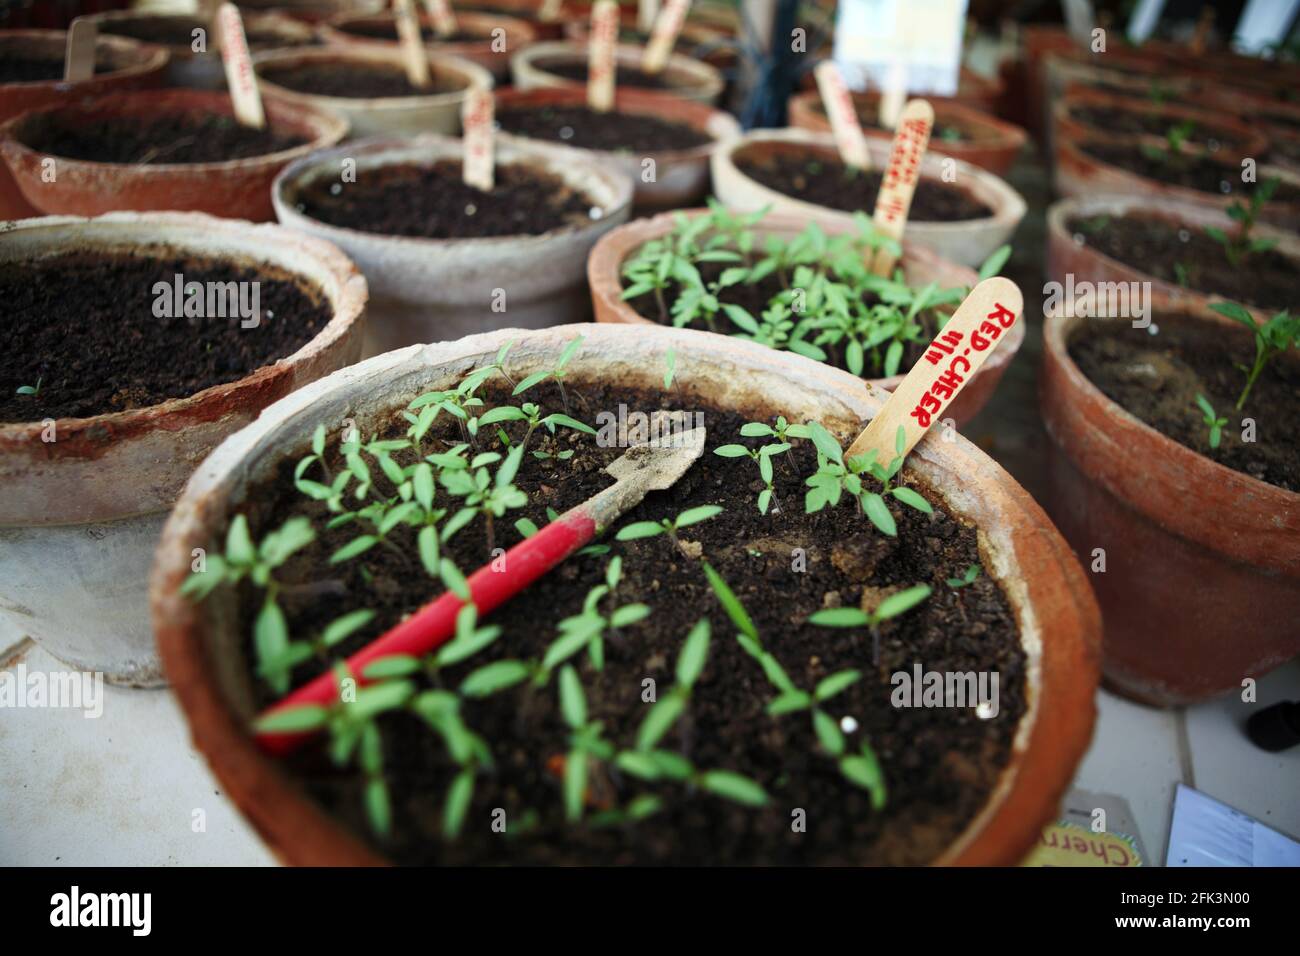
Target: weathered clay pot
{"type": "Point", "coordinates": [975, 90]}
{"type": "Point", "coordinates": [238, 189]}
{"type": "Point", "coordinates": [1201, 587]}
{"type": "Point", "coordinates": [687, 78]}
{"type": "Point", "coordinates": [920, 266]}
{"type": "Point", "coordinates": [527, 10]}
{"type": "Point", "coordinates": [138, 66]}
{"type": "Point", "coordinates": [969, 242]}
{"type": "Point", "coordinates": [1055, 611]}
{"type": "Point", "coordinates": [314, 11]}
{"type": "Point", "coordinates": [699, 41]}
{"type": "Point", "coordinates": [493, 52]}
{"type": "Point", "coordinates": [80, 514]}
{"type": "Point", "coordinates": [990, 143]}
{"type": "Point", "coordinates": [1079, 174]}
{"type": "Point", "coordinates": [682, 175]}
{"type": "Point", "coordinates": [390, 115]}
{"type": "Point", "coordinates": [434, 290]}
{"type": "Point", "coordinates": [1086, 263]}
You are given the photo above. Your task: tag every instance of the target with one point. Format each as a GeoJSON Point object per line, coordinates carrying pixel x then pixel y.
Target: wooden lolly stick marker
{"type": "Point", "coordinates": [600, 55]}
{"type": "Point", "coordinates": [414, 56]}
{"type": "Point", "coordinates": [79, 58]}
{"type": "Point", "coordinates": [895, 92]}
{"type": "Point", "coordinates": [947, 366]}
{"type": "Point", "coordinates": [476, 119]}
{"type": "Point", "coordinates": [667, 25]}
{"type": "Point", "coordinates": [846, 129]}
{"type": "Point", "coordinates": [240, 78]}
{"type": "Point", "coordinates": [900, 179]}
{"type": "Point", "coordinates": [646, 12]}
{"type": "Point", "coordinates": [444, 20]}
{"type": "Point", "coordinates": [550, 11]}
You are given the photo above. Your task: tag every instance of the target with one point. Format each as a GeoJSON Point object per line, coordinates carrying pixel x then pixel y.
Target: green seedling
{"type": "Point", "coordinates": [967, 578]}
{"type": "Point", "coordinates": [1240, 244]}
{"type": "Point", "coordinates": [1214, 422]}
{"type": "Point", "coordinates": [556, 373]}
{"type": "Point", "coordinates": [763, 458]}
{"type": "Point", "coordinates": [1172, 150]}
{"type": "Point", "coordinates": [585, 743]}
{"type": "Point", "coordinates": [588, 628]}
{"type": "Point", "coordinates": [1272, 338]}
{"type": "Point", "coordinates": [891, 607]}
{"type": "Point", "coordinates": [490, 497]}
{"type": "Point", "coordinates": [836, 477]}
{"type": "Point", "coordinates": [669, 526]}
{"type": "Point", "coordinates": [32, 390]}
{"type": "Point", "coordinates": [532, 415]}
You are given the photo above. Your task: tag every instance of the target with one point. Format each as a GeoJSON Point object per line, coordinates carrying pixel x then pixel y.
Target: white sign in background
{"type": "Point", "coordinates": [875, 37]}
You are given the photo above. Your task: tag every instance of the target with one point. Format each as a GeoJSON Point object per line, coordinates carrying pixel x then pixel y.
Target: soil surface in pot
{"type": "Point", "coordinates": [1130, 123]}
{"type": "Point", "coordinates": [586, 128]}
{"type": "Point", "coordinates": [21, 67]}
{"type": "Point", "coordinates": [1188, 170]}
{"type": "Point", "coordinates": [1186, 256]}
{"type": "Point", "coordinates": [179, 31]}
{"type": "Point", "coordinates": [1156, 378]}
{"type": "Point", "coordinates": [160, 139]}
{"type": "Point", "coordinates": [87, 327]}
{"type": "Point", "coordinates": [576, 70]}
{"type": "Point", "coordinates": [826, 181]}
{"type": "Point", "coordinates": [388, 31]}
{"type": "Point", "coordinates": [434, 202]}
{"type": "Point", "coordinates": [354, 80]}
{"type": "Point", "coordinates": [869, 118]}
{"type": "Point", "coordinates": [940, 764]}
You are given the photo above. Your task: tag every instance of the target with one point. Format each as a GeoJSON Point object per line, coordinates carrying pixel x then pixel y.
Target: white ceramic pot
{"type": "Point", "coordinates": [685, 77]}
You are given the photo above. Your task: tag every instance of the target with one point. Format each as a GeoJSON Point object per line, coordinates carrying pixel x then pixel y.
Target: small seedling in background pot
{"type": "Point", "coordinates": [968, 578]}
{"type": "Point", "coordinates": [1172, 150]}
{"type": "Point", "coordinates": [1214, 422]}
{"type": "Point", "coordinates": [1239, 245]}
{"type": "Point", "coordinates": [1272, 338]}
{"type": "Point", "coordinates": [32, 390]}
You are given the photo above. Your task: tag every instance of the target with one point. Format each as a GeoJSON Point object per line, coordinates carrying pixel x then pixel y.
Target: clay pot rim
{"type": "Point", "coordinates": [475, 76]}
{"type": "Point", "coordinates": [519, 33]}
{"type": "Point", "coordinates": [1249, 141]}
{"type": "Point", "coordinates": [151, 56]}
{"type": "Point", "coordinates": [1058, 618]}
{"type": "Point", "coordinates": [324, 127]}
{"type": "Point", "coordinates": [1216, 487]}
{"type": "Point", "coordinates": [604, 268]}
{"type": "Point", "coordinates": [303, 168]}
{"type": "Point", "coordinates": [346, 303]}
{"type": "Point", "coordinates": [718, 125]}
{"type": "Point", "coordinates": [699, 78]}
{"type": "Point", "coordinates": [1001, 134]}
{"type": "Point", "coordinates": [276, 20]}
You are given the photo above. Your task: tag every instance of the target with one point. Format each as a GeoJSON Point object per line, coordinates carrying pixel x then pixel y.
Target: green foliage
{"type": "Point", "coordinates": [32, 390]}
{"type": "Point", "coordinates": [588, 628]}
{"type": "Point", "coordinates": [1240, 244]}
{"type": "Point", "coordinates": [1272, 338]}
{"type": "Point", "coordinates": [1213, 421]}
{"type": "Point", "coordinates": [669, 526]}
{"type": "Point", "coordinates": [967, 578]}
{"type": "Point", "coordinates": [555, 373]}
{"type": "Point", "coordinates": [836, 477]}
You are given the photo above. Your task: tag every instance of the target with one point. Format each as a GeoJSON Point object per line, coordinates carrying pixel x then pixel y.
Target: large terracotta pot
{"type": "Point", "coordinates": [502, 38]}
{"type": "Point", "coordinates": [681, 176]}
{"type": "Point", "coordinates": [699, 41]}
{"type": "Point", "coordinates": [1054, 609]}
{"type": "Point", "coordinates": [990, 143]}
{"type": "Point", "coordinates": [433, 290]}
{"type": "Point", "coordinates": [1201, 587]}
{"type": "Point", "coordinates": [139, 66]}
{"type": "Point", "coordinates": [687, 78]}
{"type": "Point", "coordinates": [238, 189]}
{"type": "Point", "coordinates": [527, 10]}
{"type": "Point", "coordinates": [975, 90]}
{"type": "Point", "coordinates": [380, 116]}
{"type": "Point", "coordinates": [80, 515]}
{"type": "Point", "coordinates": [969, 242]}
{"type": "Point", "coordinates": [314, 11]}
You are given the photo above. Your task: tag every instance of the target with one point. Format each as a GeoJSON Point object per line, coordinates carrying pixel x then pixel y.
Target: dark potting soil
{"type": "Point", "coordinates": [586, 128]}
{"type": "Point", "coordinates": [84, 327]}
{"type": "Point", "coordinates": [164, 30]}
{"type": "Point", "coordinates": [388, 31]}
{"type": "Point", "coordinates": [18, 67]}
{"type": "Point", "coordinates": [160, 139]}
{"type": "Point", "coordinates": [1131, 123]}
{"type": "Point", "coordinates": [869, 118]}
{"type": "Point", "coordinates": [1188, 170]}
{"type": "Point", "coordinates": [1187, 256]}
{"type": "Point", "coordinates": [576, 70]}
{"type": "Point", "coordinates": [940, 764]}
{"type": "Point", "coordinates": [825, 181]}
{"type": "Point", "coordinates": [352, 80]}
{"type": "Point", "coordinates": [1157, 378]}
{"type": "Point", "coordinates": [434, 202]}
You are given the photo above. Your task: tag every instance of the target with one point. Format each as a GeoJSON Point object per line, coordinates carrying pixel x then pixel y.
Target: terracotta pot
{"type": "Point", "coordinates": [1086, 263]}
{"type": "Point", "coordinates": [1078, 174]}
{"type": "Point", "coordinates": [1038, 41]}
{"type": "Point", "coordinates": [1202, 580]}
{"type": "Point", "coordinates": [699, 41]}
{"type": "Point", "coordinates": [989, 143]}
{"type": "Point", "coordinates": [527, 10]}
{"type": "Point", "coordinates": [920, 267]}
{"type": "Point", "coordinates": [1056, 614]}
{"type": "Point", "coordinates": [236, 189]}
{"type": "Point", "coordinates": [975, 90]}
{"type": "Point", "coordinates": [390, 115]}
{"type": "Point", "coordinates": [139, 66]}
{"type": "Point", "coordinates": [969, 242]}
{"type": "Point", "coordinates": [493, 52]}
{"type": "Point", "coordinates": [689, 79]}
{"type": "Point", "coordinates": [681, 175]}
{"type": "Point", "coordinates": [432, 290]}
{"type": "Point", "coordinates": [314, 11]}
{"type": "Point", "coordinates": [81, 514]}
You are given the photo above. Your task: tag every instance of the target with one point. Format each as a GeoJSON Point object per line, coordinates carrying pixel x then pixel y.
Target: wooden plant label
{"type": "Point", "coordinates": [895, 92]}
{"type": "Point", "coordinates": [476, 118]}
{"type": "Point", "coordinates": [414, 56]}
{"type": "Point", "coordinates": [845, 127]}
{"type": "Point", "coordinates": [901, 175]}
{"type": "Point", "coordinates": [646, 12]}
{"type": "Point", "coordinates": [240, 78]}
{"type": "Point", "coordinates": [550, 11]}
{"type": "Point", "coordinates": [600, 55]}
{"type": "Point", "coordinates": [79, 60]}
{"type": "Point", "coordinates": [667, 25]}
{"type": "Point", "coordinates": [444, 21]}
{"type": "Point", "coordinates": [947, 366]}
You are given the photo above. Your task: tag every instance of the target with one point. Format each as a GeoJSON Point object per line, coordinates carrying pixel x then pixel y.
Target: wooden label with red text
{"type": "Point", "coordinates": [600, 55]}
{"type": "Point", "coordinates": [476, 117]}
{"type": "Point", "coordinates": [240, 78]}
{"type": "Point", "coordinates": [947, 366]}
{"type": "Point", "coordinates": [846, 129]}
{"type": "Point", "coordinates": [667, 25]}
{"type": "Point", "coordinates": [444, 21]}
{"type": "Point", "coordinates": [900, 178]}
{"type": "Point", "coordinates": [79, 58]}
{"type": "Point", "coordinates": [414, 56]}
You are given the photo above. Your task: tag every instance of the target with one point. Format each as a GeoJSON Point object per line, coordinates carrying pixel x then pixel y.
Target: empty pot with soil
{"type": "Point", "coordinates": [133, 344]}
{"type": "Point", "coordinates": [662, 142]}
{"type": "Point", "coordinates": [444, 259]}
{"type": "Point", "coordinates": [160, 150]}
{"type": "Point", "coordinates": [565, 64]}
{"type": "Point", "coordinates": [488, 40]}
{"type": "Point", "coordinates": [720, 769]}
{"type": "Point", "coordinates": [31, 76]}
{"type": "Point", "coordinates": [313, 11]}
{"type": "Point", "coordinates": [798, 172]}
{"type": "Point", "coordinates": [368, 86]}
{"type": "Point", "coordinates": [1183, 498]}
{"type": "Point", "coordinates": [530, 11]}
